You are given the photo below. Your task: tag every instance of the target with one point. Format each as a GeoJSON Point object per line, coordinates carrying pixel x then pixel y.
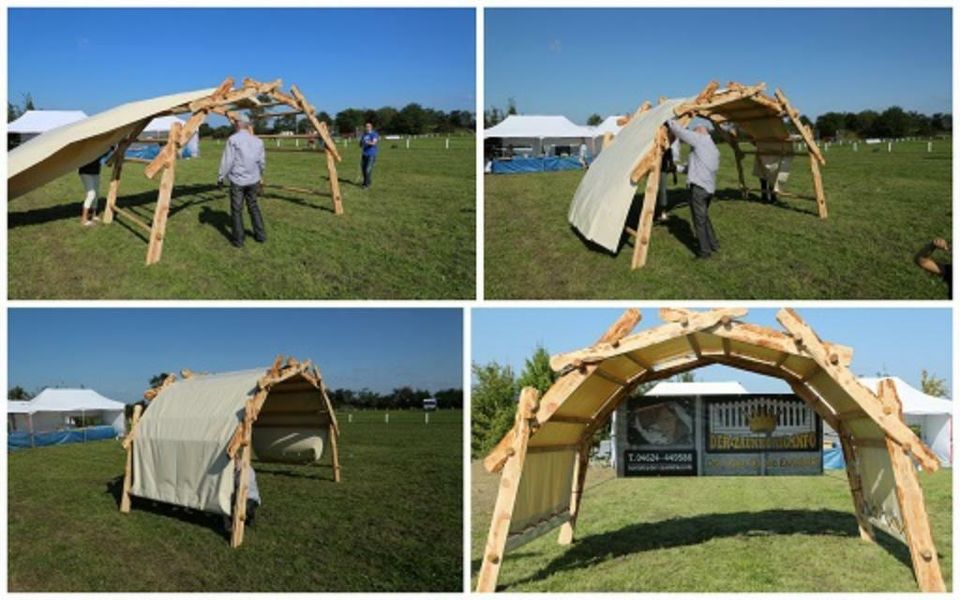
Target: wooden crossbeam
{"type": "Point", "coordinates": [128, 469]}
{"type": "Point", "coordinates": [893, 427]}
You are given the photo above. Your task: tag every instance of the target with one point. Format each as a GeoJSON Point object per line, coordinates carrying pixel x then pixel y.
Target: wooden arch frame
{"type": "Point", "coordinates": [735, 104]}
{"type": "Point", "coordinates": [592, 382]}
{"type": "Point", "coordinates": [225, 101]}
{"type": "Point", "coordinates": [240, 446]}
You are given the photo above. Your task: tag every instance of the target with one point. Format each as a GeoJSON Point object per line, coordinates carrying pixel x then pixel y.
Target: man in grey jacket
{"type": "Point", "coordinates": [702, 166]}
{"type": "Point", "coordinates": [242, 165]}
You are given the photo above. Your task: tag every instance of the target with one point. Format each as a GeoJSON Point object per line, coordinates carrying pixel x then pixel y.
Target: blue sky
{"type": "Point", "coordinates": [95, 59]}
{"type": "Point", "coordinates": [899, 342]}
{"type": "Point", "coordinates": [116, 351]}
{"type": "Point", "coordinates": [576, 62]}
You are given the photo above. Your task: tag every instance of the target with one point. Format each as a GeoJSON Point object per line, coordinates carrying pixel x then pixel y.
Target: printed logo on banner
{"type": "Point", "coordinates": [761, 435]}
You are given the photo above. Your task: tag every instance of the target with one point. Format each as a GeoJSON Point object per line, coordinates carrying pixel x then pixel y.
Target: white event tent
{"type": "Point", "coordinates": [34, 122]}
{"type": "Point", "coordinates": [53, 410]}
{"type": "Point", "coordinates": [539, 134]}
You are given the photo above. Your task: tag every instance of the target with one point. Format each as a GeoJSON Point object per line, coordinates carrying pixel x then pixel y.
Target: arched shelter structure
{"type": "Point", "coordinates": [740, 115]}
{"type": "Point", "coordinates": [61, 150]}
{"type": "Point", "coordinates": [202, 430]}
{"type": "Point", "coordinates": [543, 459]}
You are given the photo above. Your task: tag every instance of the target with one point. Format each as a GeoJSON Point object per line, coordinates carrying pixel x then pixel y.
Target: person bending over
{"type": "Point", "coordinates": [90, 176]}
{"type": "Point", "coordinates": [242, 164]}
{"type": "Point", "coordinates": [943, 270]}
{"type": "Point", "coordinates": [702, 166]}
{"type": "Point", "coordinates": [369, 145]}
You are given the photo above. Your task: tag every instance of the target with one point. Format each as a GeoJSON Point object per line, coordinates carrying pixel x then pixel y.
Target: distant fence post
{"type": "Point", "coordinates": [349, 417]}
{"type": "Point", "coordinates": [889, 146]}
{"type": "Point", "coordinates": [426, 418]}
{"type": "Point", "coordinates": [854, 146]}
{"type": "Point", "coordinates": [408, 143]}
{"type": "Point", "coordinates": [386, 418]}
{"type": "Point", "coordinates": [447, 144]}
{"type": "Point", "coordinates": [929, 147]}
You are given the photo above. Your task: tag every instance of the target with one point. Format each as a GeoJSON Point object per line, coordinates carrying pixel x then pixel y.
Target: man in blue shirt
{"type": "Point", "coordinates": [242, 165]}
{"type": "Point", "coordinates": [369, 144]}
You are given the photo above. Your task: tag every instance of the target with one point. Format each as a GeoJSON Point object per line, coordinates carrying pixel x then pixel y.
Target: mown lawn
{"type": "Point", "coordinates": [394, 523]}
{"type": "Point", "coordinates": [882, 208]}
{"type": "Point", "coordinates": [714, 534]}
{"type": "Point", "coordinates": [411, 236]}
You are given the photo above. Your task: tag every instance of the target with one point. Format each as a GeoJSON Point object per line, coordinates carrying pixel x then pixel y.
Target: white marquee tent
{"type": "Point", "coordinates": [159, 128]}
{"type": "Point", "coordinates": [539, 133]}
{"type": "Point", "coordinates": [34, 122]}
{"type": "Point", "coordinates": [53, 409]}
{"type": "Point", "coordinates": [609, 125]}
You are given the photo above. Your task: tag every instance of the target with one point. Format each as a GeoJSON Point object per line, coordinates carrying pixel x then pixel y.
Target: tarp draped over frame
{"type": "Point", "coordinates": [58, 151]}
{"type": "Point", "coordinates": [181, 441]}
{"type": "Point", "coordinates": [603, 198]}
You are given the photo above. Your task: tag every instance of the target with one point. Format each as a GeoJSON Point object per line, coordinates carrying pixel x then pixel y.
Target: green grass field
{"type": "Point", "coordinates": [714, 534]}
{"type": "Point", "coordinates": [394, 523]}
{"type": "Point", "coordinates": [882, 209]}
{"type": "Point", "coordinates": [411, 236]}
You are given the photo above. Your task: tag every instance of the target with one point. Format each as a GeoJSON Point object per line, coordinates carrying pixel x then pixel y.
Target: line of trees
{"type": "Point", "coordinates": [893, 122]}
{"type": "Point", "coordinates": [412, 119]}
{"type": "Point", "coordinates": [402, 398]}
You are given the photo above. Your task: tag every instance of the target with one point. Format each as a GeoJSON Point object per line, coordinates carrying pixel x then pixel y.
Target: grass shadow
{"type": "Point", "coordinates": [275, 194]}
{"type": "Point", "coordinates": [71, 210]}
{"type": "Point", "coordinates": [277, 469]}
{"type": "Point", "coordinates": [214, 523]}
{"type": "Point", "coordinates": [604, 547]}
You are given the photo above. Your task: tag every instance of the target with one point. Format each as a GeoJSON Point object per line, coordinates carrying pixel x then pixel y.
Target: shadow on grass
{"type": "Point", "coordinates": [210, 521]}
{"type": "Point", "coordinates": [71, 210]}
{"type": "Point", "coordinates": [688, 531]}
{"type": "Point", "coordinates": [325, 472]}
{"type": "Point", "coordinates": [275, 194]}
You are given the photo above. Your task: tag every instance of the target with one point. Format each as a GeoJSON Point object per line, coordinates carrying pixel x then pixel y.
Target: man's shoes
{"type": "Point", "coordinates": [702, 256]}
{"type": "Point", "coordinates": [260, 240]}
{"type": "Point", "coordinates": [236, 244]}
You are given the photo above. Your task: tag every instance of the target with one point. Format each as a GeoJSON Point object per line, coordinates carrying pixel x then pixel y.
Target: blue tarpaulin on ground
{"type": "Point", "coordinates": [18, 440]}
{"type": "Point", "coordinates": [536, 165]}
{"type": "Point", "coordinates": [833, 459]}
{"type": "Point", "coordinates": [144, 151]}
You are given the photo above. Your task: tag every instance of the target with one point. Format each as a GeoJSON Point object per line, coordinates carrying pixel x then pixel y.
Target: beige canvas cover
{"type": "Point", "coordinates": [603, 198]}
{"type": "Point", "coordinates": [180, 455]}
{"type": "Point", "coordinates": [61, 150]}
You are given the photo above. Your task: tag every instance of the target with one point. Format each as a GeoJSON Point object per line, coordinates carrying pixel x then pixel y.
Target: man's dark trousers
{"type": "Point", "coordinates": [366, 165]}
{"type": "Point", "coordinates": [702, 227]}
{"type": "Point", "coordinates": [240, 194]}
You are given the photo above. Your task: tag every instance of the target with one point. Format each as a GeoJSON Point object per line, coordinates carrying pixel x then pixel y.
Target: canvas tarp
{"type": "Point", "coordinates": [61, 150]}
{"type": "Point", "coordinates": [180, 453]}
{"type": "Point", "coordinates": [602, 201]}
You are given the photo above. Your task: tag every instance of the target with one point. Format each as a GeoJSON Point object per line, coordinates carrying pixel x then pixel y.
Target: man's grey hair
{"type": "Point", "coordinates": [243, 123]}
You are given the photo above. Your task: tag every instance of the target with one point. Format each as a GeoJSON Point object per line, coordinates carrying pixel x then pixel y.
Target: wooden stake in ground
{"type": "Point", "coordinates": [507, 493]}
{"type": "Point", "coordinates": [159, 226]}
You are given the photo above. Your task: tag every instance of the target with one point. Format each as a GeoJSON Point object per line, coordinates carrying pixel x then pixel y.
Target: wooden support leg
{"type": "Point", "coordinates": [856, 486]}
{"type": "Point", "coordinates": [334, 453]}
{"type": "Point", "coordinates": [743, 182]}
{"type": "Point", "coordinates": [916, 524]}
{"type": "Point", "coordinates": [128, 470]}
{"type": "Point", "coordinates": [159, 226]}
{"type": "Point", "coordinates": [818, 187]}
{"type": "Point", "coordinates": [641, 243]}
{"type": "Point", "coordinates": [240, 502]}
{"type": "Point", "coordinates": [507, 494]}
{"type": "Point", "coordinates": [114, 183]}
{"type": "Point", "coordinates": [334, 184]}
{"type": "Point", "coordinates": [579, 477]}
